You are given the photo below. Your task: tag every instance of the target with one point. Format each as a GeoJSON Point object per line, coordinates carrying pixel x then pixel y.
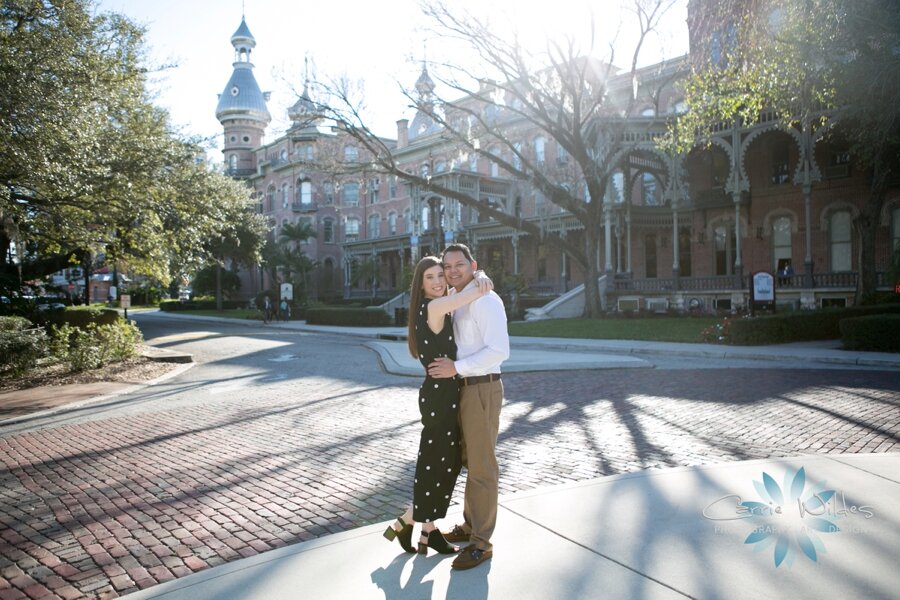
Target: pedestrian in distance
{"type": "Point", "coordinates": [430, 335]}
{"type": "Point", "coordinates": [267, 309]}
{"type": "Point", "coordinates": [482, 343]}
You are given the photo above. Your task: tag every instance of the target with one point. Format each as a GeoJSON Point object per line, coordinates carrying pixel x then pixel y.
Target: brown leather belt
{"type": "Point", "coordinates": [479, 379]}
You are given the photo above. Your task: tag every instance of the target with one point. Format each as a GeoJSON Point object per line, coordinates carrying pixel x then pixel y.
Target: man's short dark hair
{"type": "Point", "coordinates": [459, 248]}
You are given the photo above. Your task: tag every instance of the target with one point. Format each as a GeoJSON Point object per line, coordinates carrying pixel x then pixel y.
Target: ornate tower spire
{"type": "Point", "coordinates": [242, 107]}
{"type": "Point", "coordinates": [304, 111]}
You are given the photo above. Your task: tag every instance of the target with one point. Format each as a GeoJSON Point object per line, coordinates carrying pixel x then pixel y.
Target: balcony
{"type": "Point", "coordinates": [240, 172]}
{"type": "Point", "coordinates": [304, 207]}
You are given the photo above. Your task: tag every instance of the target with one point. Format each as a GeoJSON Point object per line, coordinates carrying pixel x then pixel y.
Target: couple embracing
{"type": "Point", "coordinates": [459, 402]}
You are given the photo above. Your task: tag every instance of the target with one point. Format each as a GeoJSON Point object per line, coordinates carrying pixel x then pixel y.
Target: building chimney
{"type": "Point", "coordinates": [402, 133]}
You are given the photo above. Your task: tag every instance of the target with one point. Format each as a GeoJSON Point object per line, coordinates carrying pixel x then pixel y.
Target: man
{"type": "Point", "coordinates": [482, 343]}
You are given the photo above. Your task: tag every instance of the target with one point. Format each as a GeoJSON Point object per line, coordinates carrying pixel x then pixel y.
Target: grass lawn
{"type": "Point", "coordinates": [657, 329]}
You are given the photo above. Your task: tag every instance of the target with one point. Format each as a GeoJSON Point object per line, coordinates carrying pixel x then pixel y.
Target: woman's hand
{"type": "Point", "coordinates": [483, 282]}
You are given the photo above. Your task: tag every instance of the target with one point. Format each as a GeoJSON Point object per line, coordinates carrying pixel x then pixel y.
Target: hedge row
{"type": "Point", "coordinates": [877, 333]}
{"type": "Point", "coordinates": [80, 317]}
{"type": "Point", "coordinates": [177, 305]}
{"type": "Point", "coordinates": [800, 326]}
{"type": "Point", "coordinates": [365, 317]}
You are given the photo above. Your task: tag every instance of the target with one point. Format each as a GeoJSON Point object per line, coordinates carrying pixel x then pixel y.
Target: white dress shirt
{"type": "Point", "coordinates": [482, 340]}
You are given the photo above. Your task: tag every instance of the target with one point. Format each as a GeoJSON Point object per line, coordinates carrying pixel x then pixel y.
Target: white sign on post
{"type": "Point", "coordinates": [287, 291]}
{"type": "Point", "coordinates": [763, 287]}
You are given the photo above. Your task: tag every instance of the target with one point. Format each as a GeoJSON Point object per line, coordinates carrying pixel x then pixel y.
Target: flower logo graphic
{"type": "Point", "coordinates": [790, 517]}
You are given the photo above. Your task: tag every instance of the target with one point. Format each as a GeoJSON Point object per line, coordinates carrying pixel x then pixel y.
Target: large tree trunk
{"type": "Point", "coordinates": [866, 226]}
{"type": "Point", "coordinates": [218, 286]}
{"type": "Point", "coordinates": [592, 305]}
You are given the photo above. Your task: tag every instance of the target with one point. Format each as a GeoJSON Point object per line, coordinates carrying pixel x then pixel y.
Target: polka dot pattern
{"type": "Point", "coordinates": [439, 461]}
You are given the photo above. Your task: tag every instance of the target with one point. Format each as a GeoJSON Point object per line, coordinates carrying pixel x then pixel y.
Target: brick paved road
{"type": "Point", "coordinates": [103, 507]}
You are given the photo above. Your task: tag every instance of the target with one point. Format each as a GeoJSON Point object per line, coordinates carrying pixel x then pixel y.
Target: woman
{"type": "Point", "coordinates": [430, 335]}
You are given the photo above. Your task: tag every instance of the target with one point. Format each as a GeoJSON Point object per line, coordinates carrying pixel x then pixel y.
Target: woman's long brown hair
{"type": "Point", "coordinates": [415, 299]}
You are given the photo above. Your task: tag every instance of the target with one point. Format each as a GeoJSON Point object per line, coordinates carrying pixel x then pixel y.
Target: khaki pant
{"type": "Point", "coordinates": [479, 420]}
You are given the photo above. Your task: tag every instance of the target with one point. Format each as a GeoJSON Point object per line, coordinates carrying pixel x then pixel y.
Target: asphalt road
{"type": "Point", "coordinates": [277, 437]}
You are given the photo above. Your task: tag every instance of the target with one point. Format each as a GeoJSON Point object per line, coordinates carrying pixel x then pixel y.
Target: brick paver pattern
{"type": "Point", "coordinates": [103, 508]}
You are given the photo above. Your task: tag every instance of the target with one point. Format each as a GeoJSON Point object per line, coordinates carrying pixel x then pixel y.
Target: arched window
{"type": "Point", "coordinates": [232, 162]}
{"type": "Point", "coordinates": [651, 193]}
{"type": "Point", "coordinates": [328, 192]}
{"type": "Point", "coordinates": [351, 154]}
{"type": "Point", "coordinates": [392, 223]}
{"type": "Point", "coordinates": [328, 275]}
{"type": "Point", "coordinates": [495, 168]}
{"type": "Point", "coordinates": [328, 230]}
{"type": "Point", "coordinates": [724, 249]}
{"type": "Point", "coordinates": [650, 256]}
{"type": "Point", "coordinates": [351, 231]}
{"type": "Point", "coordinates": [285, 195]}
{"type": "Point", "coordinates": [781, 243]}
{"type": "Point", "coordinates": [306, 193]}
{"type": "Point", "coordinates": [840, 241]}
{"type": "Point", "coordinates": [780, 167]}
{"type": "Point", "coordinates": [374, 227]}
{"type": "Point", "coordinates": [425, 222]}
{"type": "Point", "coordinates": [270, 199]}
{"type": "Point", "coordinates": [648, 112]}
{"type": "Point", "coordinates": [562, 157]}
{"type": "Point", "coordinates": [684, 253]}
{"type": "Point", "coordinates": [351, 194]}
{"type": "Point", "coordinates": [539, 155]}
{"type": "Point", "coordinates": [407, 220]}
{"type": "Point", "coordinates": [517, 161]}
{"type": "Point", "coordinates": [616, 189]}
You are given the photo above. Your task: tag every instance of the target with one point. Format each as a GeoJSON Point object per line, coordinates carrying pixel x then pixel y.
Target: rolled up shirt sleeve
{"type": "Point", "coordinates": [482, 337]}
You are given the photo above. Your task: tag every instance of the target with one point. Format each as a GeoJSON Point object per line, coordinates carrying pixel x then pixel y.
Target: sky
{"type": "Point", "coordinates": [381, 44]}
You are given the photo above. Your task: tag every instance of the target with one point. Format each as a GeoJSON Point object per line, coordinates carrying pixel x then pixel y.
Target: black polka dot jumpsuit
{"type": "Point", "coordinates": [439, 461]}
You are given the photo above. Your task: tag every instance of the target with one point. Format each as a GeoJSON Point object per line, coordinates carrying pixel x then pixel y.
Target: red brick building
{"type": "Point", "coordinates": [681, 233]}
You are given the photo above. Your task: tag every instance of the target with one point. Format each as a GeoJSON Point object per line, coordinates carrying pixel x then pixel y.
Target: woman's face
{"type": "Point", "coordinates": [433, 284]}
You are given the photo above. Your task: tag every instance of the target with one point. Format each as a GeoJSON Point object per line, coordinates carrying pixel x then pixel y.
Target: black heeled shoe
{"type": "Point", "coordinates": [436, 542]}
{"type": "Point", "coordinates": [404, 536]}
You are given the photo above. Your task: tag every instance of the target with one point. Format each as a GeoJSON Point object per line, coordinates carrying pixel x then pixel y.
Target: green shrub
{"type": "Point", "coordinates": [21, 345]}
{"type": "Point", "coordinates": [14, 323]}
{"type": "Point", "coordinates": [877, 333]}
{"type": "Point", "coordinates": [93, 346]}
{"type": "Point", "coordinates": [366, 317]}
{"type": "Point", "coordinates": [800, 326]}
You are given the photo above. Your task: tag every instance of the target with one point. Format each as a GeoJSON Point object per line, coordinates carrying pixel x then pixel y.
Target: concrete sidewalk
{"type": "Point", "coordinates": [674, 533]}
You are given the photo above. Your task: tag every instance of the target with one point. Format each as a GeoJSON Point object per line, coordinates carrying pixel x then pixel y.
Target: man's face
{"type": "Point", "coordinates": [457, 269]}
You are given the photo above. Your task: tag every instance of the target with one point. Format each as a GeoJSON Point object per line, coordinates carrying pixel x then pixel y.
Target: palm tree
{"type": "Point", "coordinates": [297, 233]}
{"type": "Point", "coordinates": [368, 272]}
{"type": "Point", "coordinates": [294, 260]}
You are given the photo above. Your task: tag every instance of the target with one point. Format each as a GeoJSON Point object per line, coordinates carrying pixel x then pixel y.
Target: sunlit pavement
{"type": "Point", "coordinates": [110, 506]}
